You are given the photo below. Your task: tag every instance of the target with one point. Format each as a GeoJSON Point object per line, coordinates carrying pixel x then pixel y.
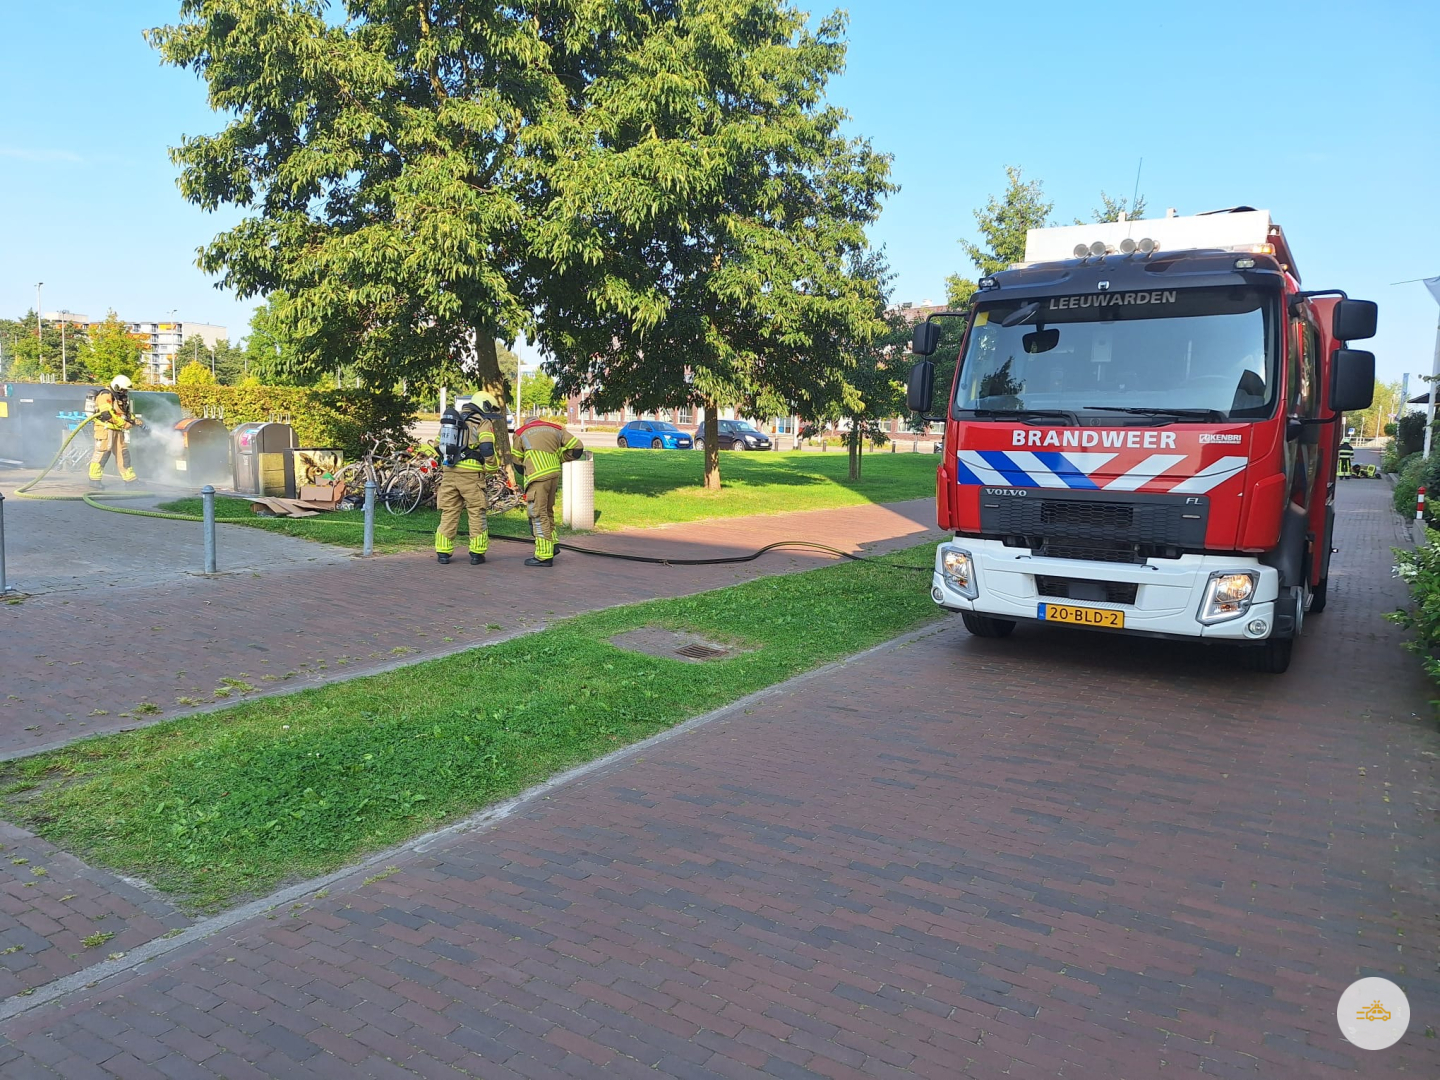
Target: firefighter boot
{"type": "Point", "coordinates": [476, 558]}
{"type": "Point", "coordinates": [539, 562]}
{"type": "Point", "coordinates": [442, 556]}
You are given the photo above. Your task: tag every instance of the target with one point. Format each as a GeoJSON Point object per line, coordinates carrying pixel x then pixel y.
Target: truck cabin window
{"type": "Point", "coordinates": [1206, 353]}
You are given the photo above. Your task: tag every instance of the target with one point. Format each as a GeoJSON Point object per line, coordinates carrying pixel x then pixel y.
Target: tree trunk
{"type": "Point", "coordinates": [853, 439]}
{"type": "Point", "coordinates": [712, 447]}
{"type": "Point", "coordinates": [491, 381]}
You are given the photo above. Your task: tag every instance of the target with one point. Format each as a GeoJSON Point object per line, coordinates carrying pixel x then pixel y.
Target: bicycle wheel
{"type": "Point", "coordinates": [353, 477]}
{"type": "Point", "coordinates": [404, 491]}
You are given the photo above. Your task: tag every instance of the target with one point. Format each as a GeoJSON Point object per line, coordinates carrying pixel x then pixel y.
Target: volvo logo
{"type": "Point", "coordinates": [1021, 492]}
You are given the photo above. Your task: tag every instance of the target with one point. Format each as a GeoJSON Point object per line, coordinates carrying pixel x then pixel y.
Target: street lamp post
{"type": "Point", "coordinates": [175, 346]}
{"type": "Point", "coordinates": [39, 345]}
{"type": "Point", "coordinates": [64, 371]}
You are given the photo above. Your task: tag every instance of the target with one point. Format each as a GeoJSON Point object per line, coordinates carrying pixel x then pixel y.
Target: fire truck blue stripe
{"type": "Point", "coordinates": [1064, 468]}
{"type": "Point", "coordinates": [1001, 463]}
{"type": "Point", "coordinates": [963, 475]}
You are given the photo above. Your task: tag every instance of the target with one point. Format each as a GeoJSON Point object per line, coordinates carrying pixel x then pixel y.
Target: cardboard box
{"type": "Point", "coordinates": [322, 493]}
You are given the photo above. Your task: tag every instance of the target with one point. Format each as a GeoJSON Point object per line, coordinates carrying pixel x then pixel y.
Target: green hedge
{"type": "Point", "coordinates": [348, 418]}
{"type": "Point", "coordinates": [1410, 475]}
{"type": "Point", "coordinates": [1420, 570]}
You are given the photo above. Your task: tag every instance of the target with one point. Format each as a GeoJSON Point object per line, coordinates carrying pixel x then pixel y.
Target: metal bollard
{"type": "Point", "coordinates": [369, 518]}
{"type": "Point", "coordinates": [1420, 504]}
{"type": "Point", "coordinates": [4, 582]}
{"type": "Point", "coordinates": [207, 498]}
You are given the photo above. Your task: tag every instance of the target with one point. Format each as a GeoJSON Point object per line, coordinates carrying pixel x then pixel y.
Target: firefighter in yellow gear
{"type": "Point", "coordinates": [540, 446]}
{"type": "Point", "coordinates": [1347, 458]}
{"type": "Point", "coordinates": [467, 456]}
{"type": "Point", "coordinates": [114, 416]}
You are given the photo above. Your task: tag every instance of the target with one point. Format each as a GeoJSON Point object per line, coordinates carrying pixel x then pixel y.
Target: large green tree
{"type": "Point", "coordinates": [382, 151]}
{"type": "Point", "coordinates": [1003, 223]}
{"type": "Point", "coordinates": [700, 213]}
{"type": "Point", "coordinates": [110, 349]}
{"type": "Point", "coordinates": [28, 357]}
{"type": "Point", "coordinates": [1110, 210]}
{"type": "Point", "coordinates": [271, 353]}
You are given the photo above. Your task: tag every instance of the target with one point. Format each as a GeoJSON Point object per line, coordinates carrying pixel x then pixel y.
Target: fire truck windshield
{"type": "Point", "coordinates": [1187, 354]}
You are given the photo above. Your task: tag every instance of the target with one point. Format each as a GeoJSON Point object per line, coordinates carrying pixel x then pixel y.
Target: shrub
{"type": "Point", "coordinates": [1410, 434]}
{"type": "Point", "coordinates": [347, 419]}
{"type": "Point", "coordinates": [1420, 570]}
{"type": "Point", "coordinates": [1390, 458]}
{"type": "Point", "coordinates": [1407, 483]}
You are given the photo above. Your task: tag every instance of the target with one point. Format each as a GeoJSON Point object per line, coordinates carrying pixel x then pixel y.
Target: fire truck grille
{"type": "Point", "coordinates": [1109, 592]}
{"type": "Point", "coordinates": [1096, 525]}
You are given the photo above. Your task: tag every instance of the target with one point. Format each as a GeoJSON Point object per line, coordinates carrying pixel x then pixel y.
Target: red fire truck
{"type": "Point", "coordinates": [1142, 432]}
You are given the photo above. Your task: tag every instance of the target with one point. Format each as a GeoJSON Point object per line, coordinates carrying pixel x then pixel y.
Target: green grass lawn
{"type": "Point", "coordinates": [640, 488]}
{"type": "Point", "coordinates": [220, 807]}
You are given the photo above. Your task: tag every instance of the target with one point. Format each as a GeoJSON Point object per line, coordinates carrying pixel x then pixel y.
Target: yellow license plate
{"type": "Point", "coordinates": [1082, 616]}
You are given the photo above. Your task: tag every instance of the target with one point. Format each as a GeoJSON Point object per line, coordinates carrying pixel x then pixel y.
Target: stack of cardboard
{"type": "Point", "coordinates": [314, 499]}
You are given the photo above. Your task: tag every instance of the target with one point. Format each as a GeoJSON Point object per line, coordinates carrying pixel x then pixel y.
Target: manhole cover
{"type": "Point", "coordinates": [674, 644]}
{"type": "Point", "coordinates": [699, 652]}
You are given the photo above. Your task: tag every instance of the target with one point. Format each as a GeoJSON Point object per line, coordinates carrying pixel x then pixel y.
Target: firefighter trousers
{"type": "Point", "coordinates": [108, 442]}
{"type": "Point", "coordinates": [461, 489]}
{"type": "Point", "coordinates": [540, 505]}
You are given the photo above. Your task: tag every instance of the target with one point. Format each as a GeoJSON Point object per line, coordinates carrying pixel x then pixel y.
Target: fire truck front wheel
{"type": "Point", "coordinates": [1272, 658]}
{"type": "Point", "coordinates": [984, 626]}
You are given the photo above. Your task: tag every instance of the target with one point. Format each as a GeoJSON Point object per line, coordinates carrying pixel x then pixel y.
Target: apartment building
{"type": "Point", "coordinates": [163, 356]}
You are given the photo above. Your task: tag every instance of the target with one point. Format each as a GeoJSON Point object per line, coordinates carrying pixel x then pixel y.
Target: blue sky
{"type": "Point", "coordinates": [1323, 113]}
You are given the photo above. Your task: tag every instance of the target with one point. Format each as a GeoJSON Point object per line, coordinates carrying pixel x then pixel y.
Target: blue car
{"type": "Point", "coordinates": [656, 434]}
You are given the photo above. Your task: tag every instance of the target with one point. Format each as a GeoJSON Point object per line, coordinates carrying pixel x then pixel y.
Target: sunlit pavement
{"type": "Point", "coordinates": [1061, 854]}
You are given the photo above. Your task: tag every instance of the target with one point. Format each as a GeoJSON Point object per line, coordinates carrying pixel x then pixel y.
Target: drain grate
{"type": "Point", "coordinates": [699, 652]}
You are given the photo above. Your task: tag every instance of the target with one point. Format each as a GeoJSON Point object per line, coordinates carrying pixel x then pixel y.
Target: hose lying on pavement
{"type": "Point", "coordinates": [24, 491]}
{"type": "Point", "coordinates": [94, 500]}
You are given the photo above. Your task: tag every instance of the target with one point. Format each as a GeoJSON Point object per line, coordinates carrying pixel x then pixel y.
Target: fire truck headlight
{"type": "Point", "coordinates": [959, 571]}
{"type": "Point", "coordinates": [1227, 596]}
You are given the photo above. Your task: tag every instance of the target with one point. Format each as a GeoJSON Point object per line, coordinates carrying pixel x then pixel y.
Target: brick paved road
{"type": "Point", "coordinates": [1044, 857]}
{"type": "Point", "coordinates": [68, 672]}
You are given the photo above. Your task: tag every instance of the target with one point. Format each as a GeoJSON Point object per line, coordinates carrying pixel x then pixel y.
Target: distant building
{"type": "Point", "coordinates": [916, 312]}
{"type": "Point", "coordinates": [162, 356]}
{"type": "Point", "coordinates": [71, 318]}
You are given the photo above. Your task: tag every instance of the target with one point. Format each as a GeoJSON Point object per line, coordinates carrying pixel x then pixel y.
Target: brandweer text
{"type": "Point", "coordinates": [1163, 440]}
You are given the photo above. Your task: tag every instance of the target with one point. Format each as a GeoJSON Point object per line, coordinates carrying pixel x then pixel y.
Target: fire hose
{"type": "Point", "coordinates": [92, 499]}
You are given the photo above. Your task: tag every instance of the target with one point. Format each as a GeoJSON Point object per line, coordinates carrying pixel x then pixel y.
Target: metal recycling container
{"type": "Point", "coordinates": [32, 426]}
{"type": "Point", "coordinates": [310, 466]}
{"type": "Point", "coordinates": [257, 451]}
{"type": "Point", "coordinates": [203, 452]}
{"type": "Point", "coordinates": [154, 445]}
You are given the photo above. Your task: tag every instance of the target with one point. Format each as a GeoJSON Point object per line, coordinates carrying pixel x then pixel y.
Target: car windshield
{"type": "Point", "coordinates": [663, 427]}
{"type": "Point", "coordinates": [744, 425]}
{"type": "Point", "coordinates": [1195, 354]}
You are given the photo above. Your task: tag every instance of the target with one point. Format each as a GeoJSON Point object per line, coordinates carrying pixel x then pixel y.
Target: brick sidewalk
{"type": "Point", "coordinates": [88, 661]}
{"type": "Point", "coordinates": [1046, 856]}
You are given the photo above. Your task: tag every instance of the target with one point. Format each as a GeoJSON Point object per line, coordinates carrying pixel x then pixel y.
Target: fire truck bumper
{"type": "Point", "coordinates": [1217, 597]}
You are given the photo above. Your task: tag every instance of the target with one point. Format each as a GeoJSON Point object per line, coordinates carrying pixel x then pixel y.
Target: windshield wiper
{"type": "Point", "coordinates": [1179, 414]}
{"type": "Point", "coordinates": [1028, 414]}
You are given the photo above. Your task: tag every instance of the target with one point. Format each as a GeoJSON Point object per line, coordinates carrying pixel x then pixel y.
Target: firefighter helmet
{"type": "Point", "coordinates": [120, 382]}
{"type": "Point", "coordinates": [486, 405]}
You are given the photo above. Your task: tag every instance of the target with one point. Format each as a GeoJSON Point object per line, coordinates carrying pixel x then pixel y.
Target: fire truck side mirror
{"type": "Point", "coordinates": [1352, 380]}
{"type": "Point", "coordinates": [921, 388]}
{"type": "Point", "coordinates": [1354, 320]}
{"type": "Point", "coordinates": [926, 340]}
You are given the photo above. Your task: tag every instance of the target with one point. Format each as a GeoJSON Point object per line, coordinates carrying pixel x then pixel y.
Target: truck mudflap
{"type": "Point", "coordinates": [1214, 597]}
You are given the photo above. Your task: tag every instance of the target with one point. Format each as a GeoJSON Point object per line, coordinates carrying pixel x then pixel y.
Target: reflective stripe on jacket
{"type": "Point", "coordinates": [538, 447]}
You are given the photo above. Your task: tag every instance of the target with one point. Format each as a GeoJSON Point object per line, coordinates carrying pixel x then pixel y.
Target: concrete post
{"type": "Point", "coordinates": [369, 518]}
{"type": "Point", "coordinates": [4, 581]}
{"type": "Point", "coordinates": [207, 498]}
